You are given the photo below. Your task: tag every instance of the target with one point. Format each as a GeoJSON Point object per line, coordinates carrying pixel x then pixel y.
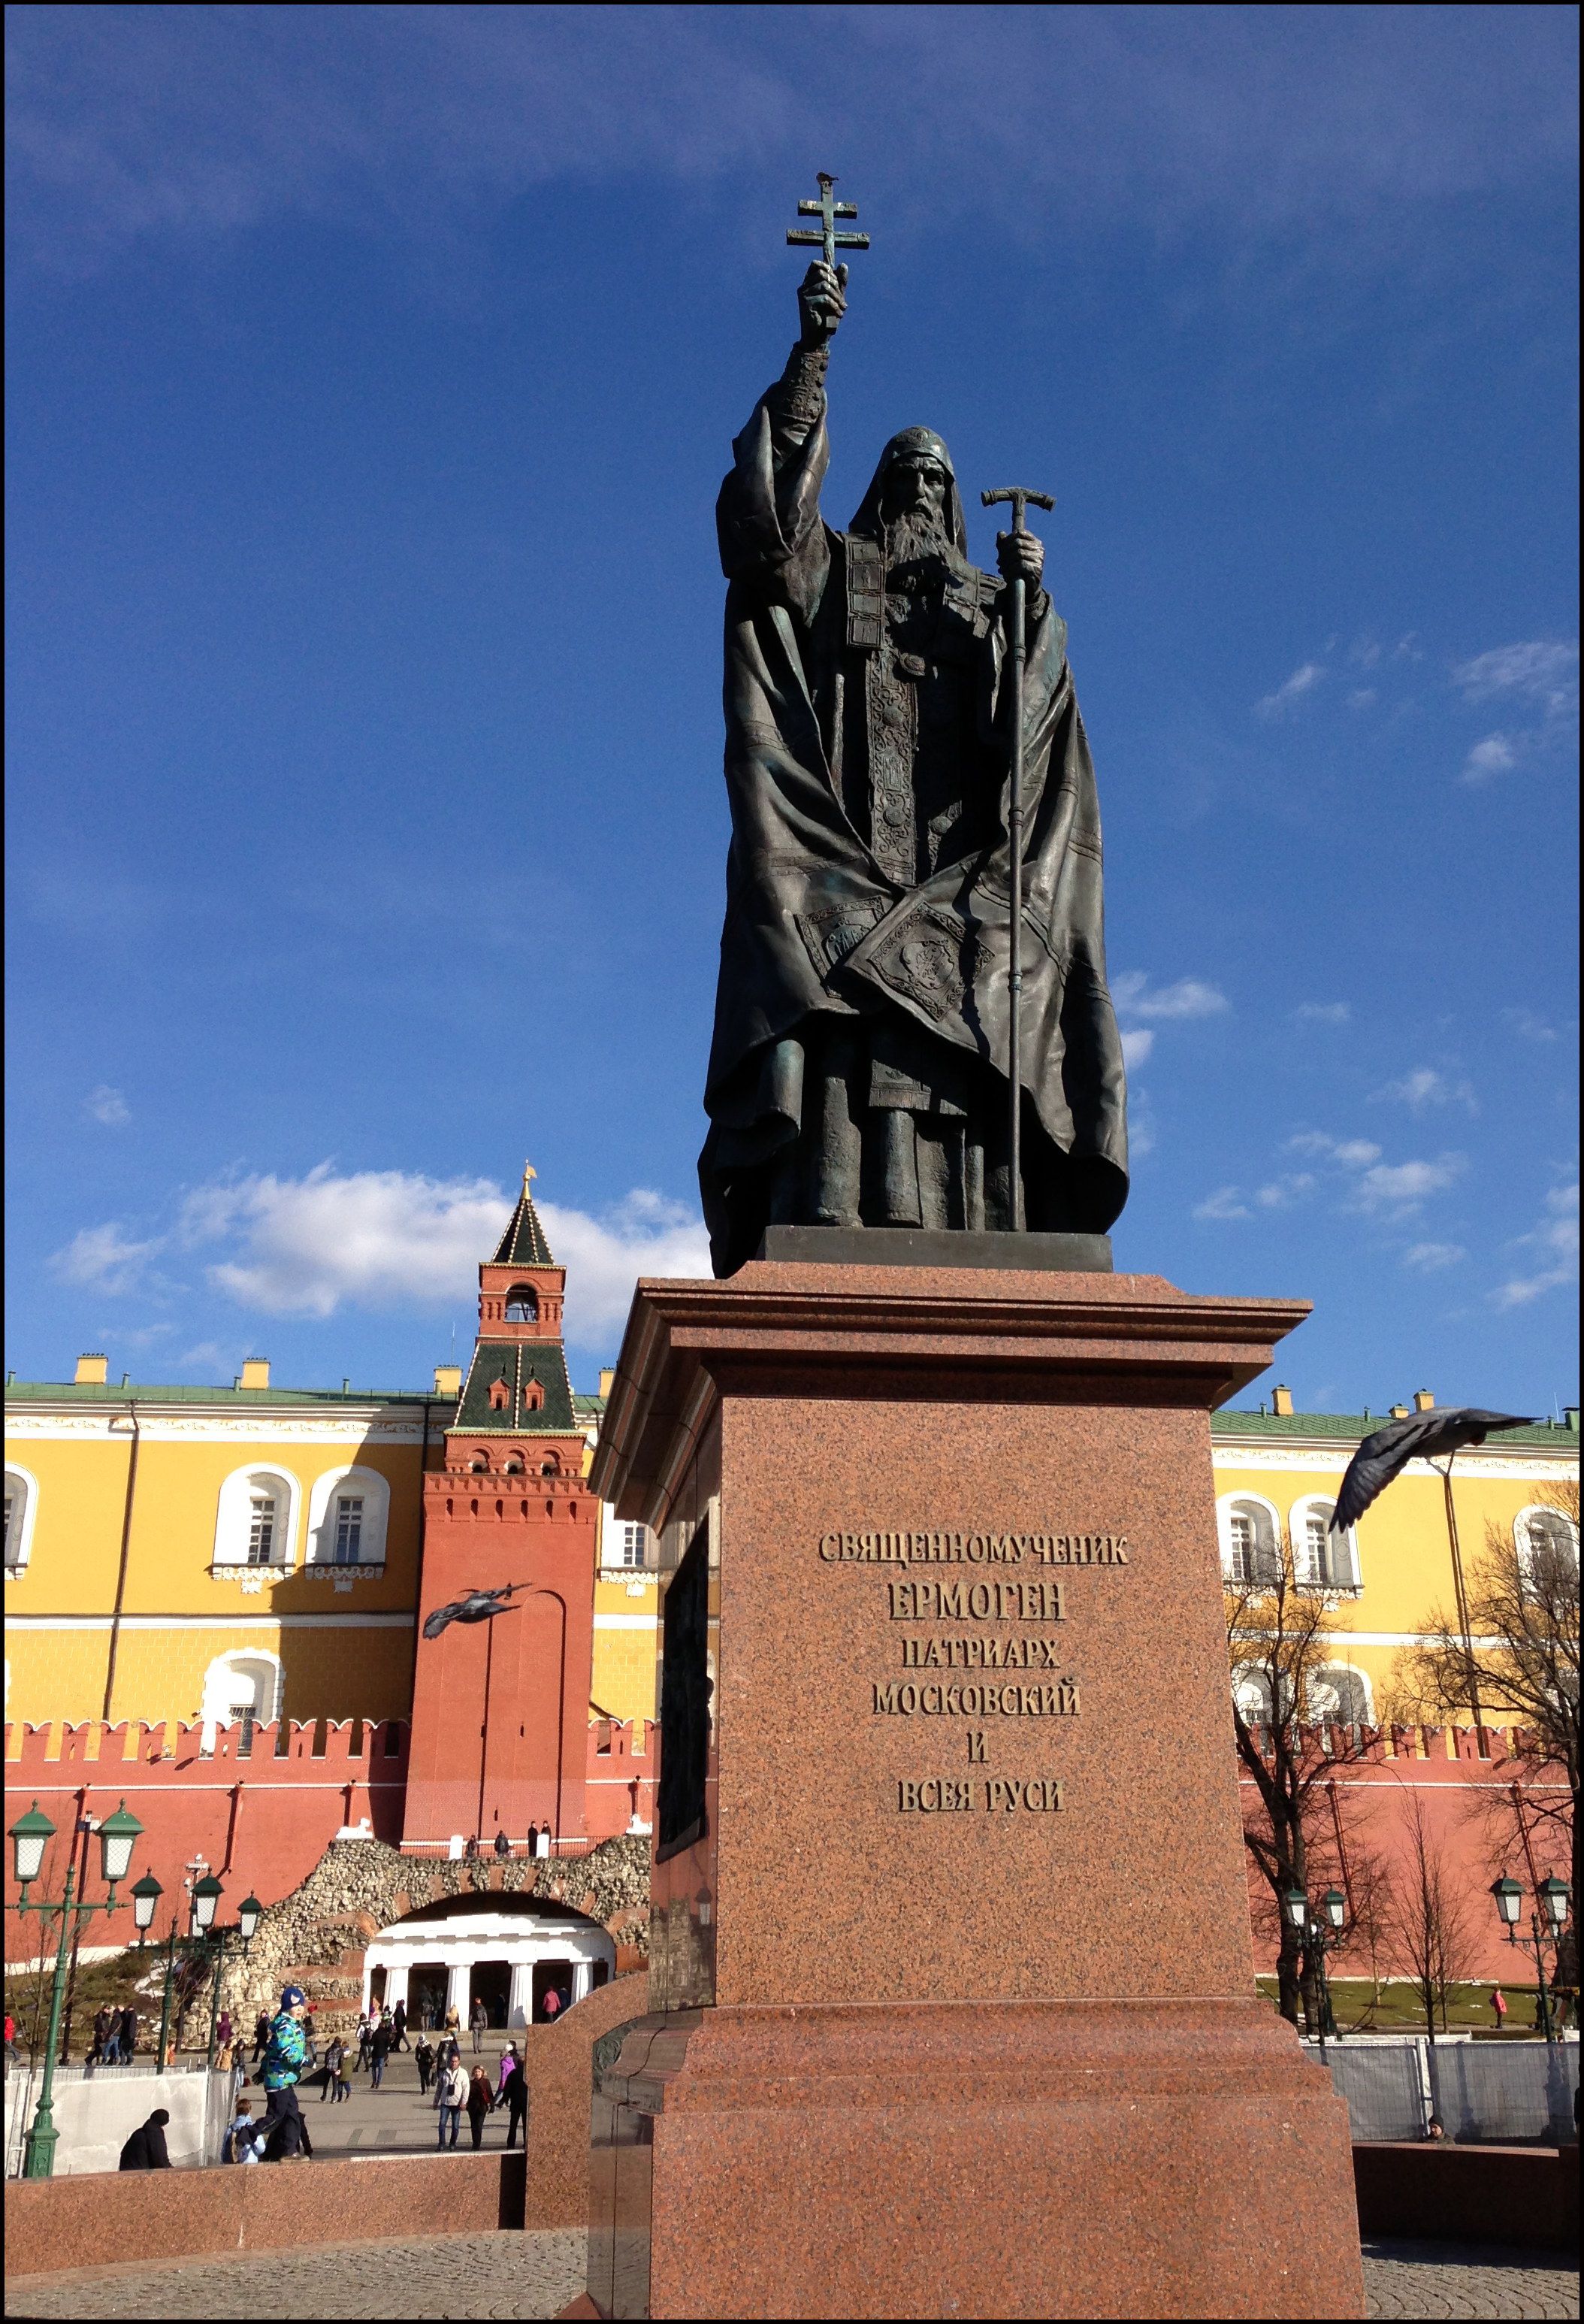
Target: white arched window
{"type": "Point", "coordinates": [21, 1506]}
{"type": "Point", "coordinates": [242, 1689]}
{"type": "Point", "coordinates": [1250, 1538]}
{"type": "Point", "coordinates": [1323, 1560]}
{"type": "Point", "coordinates": [1547, 1543]}
{"type": "Point", "coordinates": [1338, 1696]}
{"type": "Point", "coordinates": [346, 1519]}
{"type": "Point", "coordinates": [256, 1522]}
{"type": "Point", "coordinates": [1251, 1693]}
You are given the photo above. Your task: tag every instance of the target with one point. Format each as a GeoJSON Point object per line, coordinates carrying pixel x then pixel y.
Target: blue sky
{"type": "Point", "coordinates": [373, 371]}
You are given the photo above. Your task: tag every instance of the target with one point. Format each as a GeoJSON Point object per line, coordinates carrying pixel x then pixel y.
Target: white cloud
{"type": "Point", "coordinates": [392, 1239]}
{"type": "Point", "coordinates": [603, 1257]}
{"type": "Point", "coordinates": [1363, 697]}
{"type": "Point", "coordinates": [1189, 997]}
{"type": "Point", "coordinates": [1426, 1087]}
{"type": "Point", "coordinates": [1284, 1192]}
{"type": "Point", "coordinates": [1427, 1258]}
{"type": "Point", "coordinates": [1556, 1238]}
{"type": "Point", "coordinates": [1400, 1187]}
{"type": "Point", "coordinates": [1495, 756]}
{"type": "Point", "coordinates": [101, 1258]}
{"type": "Point", "coordinates": [107, 1105]}
{"type": "Point", "coordinates": [1303, 681]}
{"type": "Point", "coordinates": [1544, 670]}
{"type": "Point", "coordinates": [1222, 1204]}
{"type": "Point", "coordinates": [1323, 1012]}
{"type": "Point", "coordinates": [1527, 1026]}
{"type": "Point", "coordinates": [1352, 1153]}
{"type": "Point", "coordinates": [377, 1238]}
{"type": "Point", "coordinates": [1137, 1041]}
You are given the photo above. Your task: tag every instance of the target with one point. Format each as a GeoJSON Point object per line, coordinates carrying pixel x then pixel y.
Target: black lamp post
{"type": "Point", "coordinates": [1553, 1897]}
{"type": "Point", "coordinates": [30, 1836]}
{"type": "Point", "coordinates": [1319, 1934]}
{"type": "Point", "coordinates": [216, 1942]}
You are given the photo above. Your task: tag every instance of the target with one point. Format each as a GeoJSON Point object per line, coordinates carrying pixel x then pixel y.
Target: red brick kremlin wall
{"type": "Point", "coordinates": [262, 1821]}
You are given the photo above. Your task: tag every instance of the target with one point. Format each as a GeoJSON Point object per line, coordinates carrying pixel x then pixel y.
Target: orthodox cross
{"type": "Point", "coordinates": [828, 212]}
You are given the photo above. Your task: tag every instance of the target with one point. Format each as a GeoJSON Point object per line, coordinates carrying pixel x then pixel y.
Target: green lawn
{"type": "Point", "coordinates": [1398, 2009]}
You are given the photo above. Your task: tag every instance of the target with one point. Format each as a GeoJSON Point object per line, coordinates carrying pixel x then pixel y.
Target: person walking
{"type": "Point", "coordinates": [478, 2020]}
{"type": "Point", "coordinates": [241, 2141]}
{"type": "Point", "coordinates": [145, 2150]}
{"type": "Point", "coordinates": [453, 2098]}
{"type": "Point", "coordinates": [285, 2057]}
{"type": "Point", "coordinates": [481, 2101]}
{"type": "Point", "coordinates": [365, 2036]}
{"type": "Point", "coordinates": [514, 2088]}
{"type": "Point", "coordinates": [1498, 2002]}
{"type": "Point", "coordinates": [379, 2051]}
{"type": "Point", "coordinates": [453, 2025]}
{"type": "Point", "coordinates": [398, 2040]}
{"type": "Point", "coordinates": [10, 2041]}
{"type": "Point", "coordinates": [335, 2052]}
{"type": "Point", "coordinates": [128, 2035]}
{"type": "Point", "coordinates": [223, 2033]}
{"type": "Point", "coordinates": [424, 2056]}
{"type": "Point", "coordinates": [502, 1845]}
{"type": "Point", "coordinates": [261, 2035]}
{"type": "Point", "coordinates": [113, 2040]}
{"type": "Point", "coordinates": [101, 2035]}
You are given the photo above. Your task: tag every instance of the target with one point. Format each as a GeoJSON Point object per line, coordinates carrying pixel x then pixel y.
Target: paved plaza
{"type": "Point", "coordinates": [538, 2274]}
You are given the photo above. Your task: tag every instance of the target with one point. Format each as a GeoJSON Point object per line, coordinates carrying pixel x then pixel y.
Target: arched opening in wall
{"type": "Point", "coordinates": [426, 1994]}
{"type": "Point", "coordinates": [1323, 1560]}
{"type": "Point", "coordinates": [1339, 1697]}
{"type": "Point", "coordinates": [522, 1303]}
{"type": "Point", "coordinates": [493, 1943]}
{"type": "Point", "coordinates": [21, 1501]}
{"type": "Point", "coordinates": [241, 1689]}
{"type": "Point", "coordinates": [1251, 1555]}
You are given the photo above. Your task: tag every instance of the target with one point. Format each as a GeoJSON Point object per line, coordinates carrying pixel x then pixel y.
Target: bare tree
{"type": "Point", "coordinates": [1432, 1917]}
{"type": "Point", "coordinates": [1279, 1635]}
{"type": "Point", "coordinates": [1523, 1664]}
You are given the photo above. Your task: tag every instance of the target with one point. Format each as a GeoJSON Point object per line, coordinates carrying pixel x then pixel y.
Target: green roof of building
{"type": "Point", "coordinates": [1354, 1426]}
{"type": "Point", "coordinates": [182, 1392]}
{"type": "Point", "coordinates": [523, 1243]}
{"type": "Point", "coordinates": [517, 1362]}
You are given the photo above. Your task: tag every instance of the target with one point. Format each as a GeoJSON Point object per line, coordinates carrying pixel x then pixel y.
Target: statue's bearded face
{"type": "Point", "coordinates": [913, 504]}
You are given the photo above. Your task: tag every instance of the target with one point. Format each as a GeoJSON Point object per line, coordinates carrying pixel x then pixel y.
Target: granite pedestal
{"type": "Point", "coordinates": [951, 2003]}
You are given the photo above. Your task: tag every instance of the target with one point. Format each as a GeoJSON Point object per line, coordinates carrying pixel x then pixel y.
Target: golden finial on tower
{"type": "Point", "coordinates": [528, 1172]}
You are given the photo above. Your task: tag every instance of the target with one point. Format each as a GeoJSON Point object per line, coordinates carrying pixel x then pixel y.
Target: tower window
{"type": "Point", "coordinates": [348, 1528]}
{"type": "Point", "coordinates": [522, 1303]}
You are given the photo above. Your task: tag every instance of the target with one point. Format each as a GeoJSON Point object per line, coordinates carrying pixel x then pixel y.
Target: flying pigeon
{"type": "Point", "coordinates": [1383, 1455]}
{"type": "Point", "coordinates": [478, 1606]}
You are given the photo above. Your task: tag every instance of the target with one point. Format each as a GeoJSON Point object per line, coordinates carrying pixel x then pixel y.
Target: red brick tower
{"type": "Point", "coordinates": [500, 1710]}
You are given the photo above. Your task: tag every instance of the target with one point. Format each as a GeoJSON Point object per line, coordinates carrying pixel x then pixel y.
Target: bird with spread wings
{"type": "Point", "coordinates": [1422, 1436]}
{"type": "Point", "coordinates": [477, 1606]}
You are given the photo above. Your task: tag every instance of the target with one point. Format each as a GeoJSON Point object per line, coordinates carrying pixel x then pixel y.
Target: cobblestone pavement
{"type": "Point", "coordinates": [530, 2275]}
{"type": "Point", "coordinates": [1425, 2280]}
{"type": "Point", "coordinates": [538, 2274]}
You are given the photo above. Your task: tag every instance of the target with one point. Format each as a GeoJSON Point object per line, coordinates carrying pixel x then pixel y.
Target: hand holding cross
{"type": "Point", "coordinates": [822, 298]}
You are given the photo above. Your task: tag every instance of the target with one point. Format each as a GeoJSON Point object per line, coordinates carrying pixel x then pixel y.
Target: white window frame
{"type": "Point", "coordinates": [1226, 1509]}
{"type": "Point", "coordinates": [631, 1565]}
{"type": "Point", "coordinates": [233, 1516]}
{"type": "Point", "coordinates": [220, 1690]}
{"type": "Point", "coordinates": [322, 1517]}
{"type": "Point", "coordinates": [15, 1567]}
{"type": "Point", "coordinates": [1246, 1679]}
{"type": "Point", "coordinates": [1313, 1505]}
{"type": "Point", "coordinates": [1522, 1541]}
{"type": "Point", "coordinates": [1356, 1678]}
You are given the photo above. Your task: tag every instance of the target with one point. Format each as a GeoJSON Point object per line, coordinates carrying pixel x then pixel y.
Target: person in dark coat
{"type": "Point", "coordinates": [128, 2035]}
{"type": "Point", "coordinates": [145, 2149]}
{"type": "Point", "coordinates": [514, 2091]}
{"type": "Point", "coordinates": [481, 2100]}
{"type": "Point", "coordinates": [379, 2051]}
{"type": "Point", "coordinates": [425, 2055]}
{"type": "Point", "coordinates": [398, 2040]}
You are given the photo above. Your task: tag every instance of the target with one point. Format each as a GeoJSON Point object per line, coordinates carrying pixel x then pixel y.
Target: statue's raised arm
{"type": "Point", "coordinates": [768, 516]}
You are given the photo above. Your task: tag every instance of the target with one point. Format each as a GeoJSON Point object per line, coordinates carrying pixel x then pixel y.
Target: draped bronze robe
{"type": "Point", "coordinates": [857, 1073]}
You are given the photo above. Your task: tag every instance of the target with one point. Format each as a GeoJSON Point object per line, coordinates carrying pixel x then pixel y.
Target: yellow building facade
{"type": "Point", "coordinates": [183, 1554]}
{"type": "Point", "coordinates": [1277, 1473]}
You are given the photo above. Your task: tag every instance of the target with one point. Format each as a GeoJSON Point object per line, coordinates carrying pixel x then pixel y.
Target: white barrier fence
{"type": "Point", "coordinates": [96, 2108]}
{"type": "Point", "coordinates": [1486, 2093]}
